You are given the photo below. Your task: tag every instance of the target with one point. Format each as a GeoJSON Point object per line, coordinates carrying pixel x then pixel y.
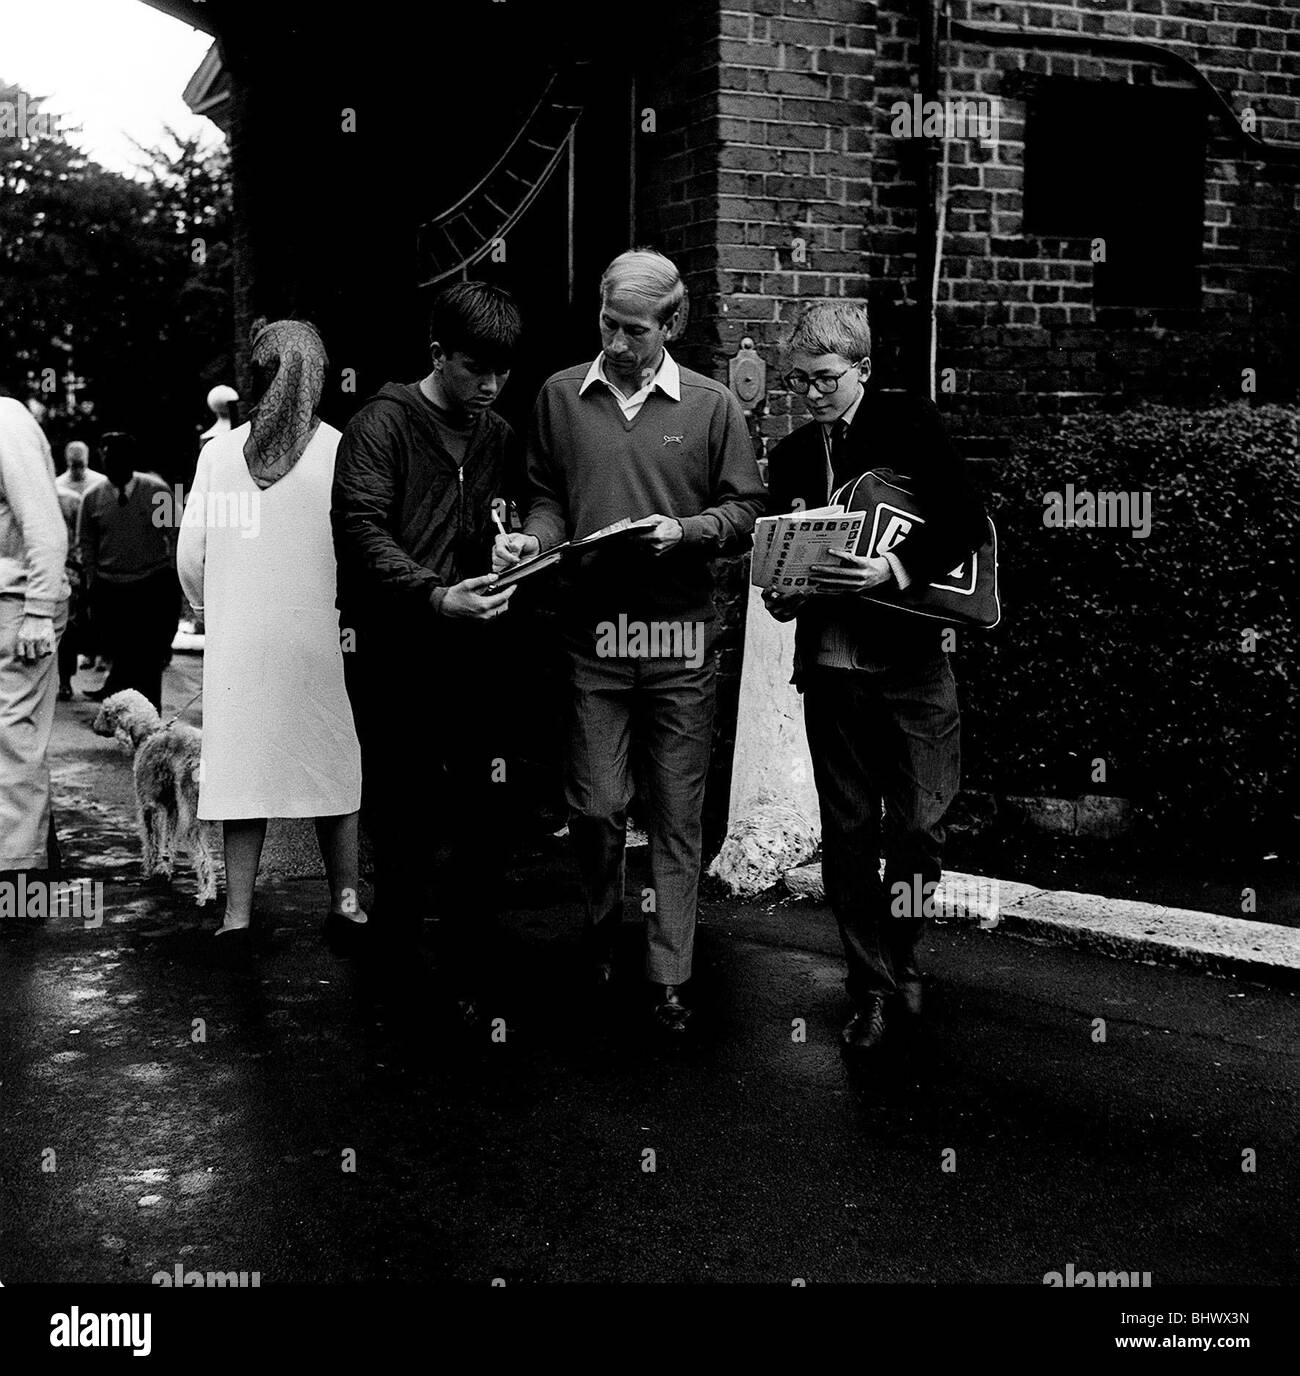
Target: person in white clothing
{"type": "Point", "coordinates": [77, 644]}
{"type": "Point", "coordinates": [78, 477]}
{"type": "Point", "coordinates": [256, 558]}
{"type": "Point", "coordinates": [33, 611]}
{"type": "Point", "coordinates": [223, 402]}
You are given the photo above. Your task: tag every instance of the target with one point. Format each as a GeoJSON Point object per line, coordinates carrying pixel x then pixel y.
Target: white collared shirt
{"type": "Point", "coordinates": [668, 380]}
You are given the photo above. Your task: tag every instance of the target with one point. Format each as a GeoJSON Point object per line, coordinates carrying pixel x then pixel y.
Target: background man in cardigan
{"type": "Point", "coordinates": [880, 704]}
{"type": "Point", "coordinates": [632, 435]}
{"type": "Point", "coordinates": [33, 609]}
{"type": "Point", "coordinates": [417, 471]}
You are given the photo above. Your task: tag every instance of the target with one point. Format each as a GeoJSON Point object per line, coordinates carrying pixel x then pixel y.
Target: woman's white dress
{"type": "Point", "coordinates": [278, 736]}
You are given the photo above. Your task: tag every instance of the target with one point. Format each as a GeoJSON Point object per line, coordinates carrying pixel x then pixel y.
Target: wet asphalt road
{"type": "Point", "coordinates": [128, 1146]}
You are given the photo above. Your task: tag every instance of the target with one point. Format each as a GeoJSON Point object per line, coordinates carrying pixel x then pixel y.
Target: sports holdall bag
{"type": "Point", "coordinates": [967, 594]}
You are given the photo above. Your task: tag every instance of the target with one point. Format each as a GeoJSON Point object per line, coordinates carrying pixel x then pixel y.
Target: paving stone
{"type": "Point", "coordinates": [1172, 936]}
{"type": "Point", "coordinates": [1054, 815]}
{"type": "Point", "coordinates": [1102, 817]}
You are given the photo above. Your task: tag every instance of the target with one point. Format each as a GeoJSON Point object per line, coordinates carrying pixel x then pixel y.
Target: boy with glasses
{"type": "Point", "coordinates": [880, 703]}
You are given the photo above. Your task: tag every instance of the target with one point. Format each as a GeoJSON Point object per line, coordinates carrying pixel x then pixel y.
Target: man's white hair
{"type": "Point", "coordinates": [645, 278]}
{"type": "Point", "coordinates": [77, 449]}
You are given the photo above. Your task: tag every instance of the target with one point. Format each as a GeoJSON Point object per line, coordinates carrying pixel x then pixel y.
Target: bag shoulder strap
{"type": "Point", "coordinates": [846, 493]}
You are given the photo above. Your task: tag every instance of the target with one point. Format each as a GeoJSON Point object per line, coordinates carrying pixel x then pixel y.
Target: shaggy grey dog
{"type": "Point", "coordinates": [166, 785]}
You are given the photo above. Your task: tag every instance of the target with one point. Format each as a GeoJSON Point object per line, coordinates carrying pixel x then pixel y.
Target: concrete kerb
{"type": "Point", "coordinates": [1124, 928]}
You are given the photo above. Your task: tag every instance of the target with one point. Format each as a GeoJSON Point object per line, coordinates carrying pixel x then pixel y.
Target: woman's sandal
{"type": "Point", "coordinates": [234, 944]}
{"type": "Point", "coordinates": [342, 931]}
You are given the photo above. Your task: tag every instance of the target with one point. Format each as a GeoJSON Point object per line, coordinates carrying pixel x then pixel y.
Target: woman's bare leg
{"type": "Point", "coordinates": [243, 842]}
{"type": "Point", "coordinates": [338, 839]}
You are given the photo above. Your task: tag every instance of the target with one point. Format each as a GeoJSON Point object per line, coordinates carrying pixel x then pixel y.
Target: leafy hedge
{"type": "Point", "coordinates": [1132, 650]}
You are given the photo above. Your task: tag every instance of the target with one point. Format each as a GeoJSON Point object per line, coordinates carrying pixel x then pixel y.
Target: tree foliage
{"type": "Point", "coordinates": [123, 283]}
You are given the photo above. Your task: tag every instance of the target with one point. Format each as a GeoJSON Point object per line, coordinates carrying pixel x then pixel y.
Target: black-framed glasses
{"type": "Point", "coordinates": [825, 383]}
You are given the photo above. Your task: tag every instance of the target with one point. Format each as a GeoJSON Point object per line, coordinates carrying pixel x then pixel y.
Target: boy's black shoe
{"type": "Point", "coordinates": [865, 1030]}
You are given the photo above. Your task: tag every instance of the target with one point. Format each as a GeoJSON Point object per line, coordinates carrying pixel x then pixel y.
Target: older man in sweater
{"type": "Point", "coordinates": [33, 610]}
{"type": "Point", "coordinates": [633, 435]}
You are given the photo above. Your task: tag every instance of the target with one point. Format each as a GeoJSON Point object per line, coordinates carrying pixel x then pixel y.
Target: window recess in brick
{"type": "Point", "coordinates": [1125, 164]}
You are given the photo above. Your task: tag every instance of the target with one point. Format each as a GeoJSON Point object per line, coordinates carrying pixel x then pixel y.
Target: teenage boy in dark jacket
{"type": "Point", "coordinates": [880, 704]}
{"type": "Point", "coordinates": [418, 470]}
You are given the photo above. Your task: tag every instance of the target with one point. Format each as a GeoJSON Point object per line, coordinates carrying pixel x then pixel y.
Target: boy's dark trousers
{"type": "Point", "coordinates": [886, 735]}
{"type": "Point", "coordinates": [436, 765]}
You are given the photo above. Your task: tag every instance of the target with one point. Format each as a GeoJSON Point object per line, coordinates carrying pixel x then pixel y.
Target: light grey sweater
{"type": "Point", "coordinates": [33, 537]}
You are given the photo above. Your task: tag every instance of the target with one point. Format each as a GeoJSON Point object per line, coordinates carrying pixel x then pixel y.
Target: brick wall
{"type": "Point", "coordinates": [1018, 324]}
{"type": "Point", "coordinates": [775, 129]}
{"type": "Point", "coordinates": [764, 190]}
{"type": "Point", "coordinates": [754, 182]}
{"type": "Point", "coordinates": [773, 178]}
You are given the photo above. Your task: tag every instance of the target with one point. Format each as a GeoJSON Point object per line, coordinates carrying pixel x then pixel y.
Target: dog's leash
{"type": "Point", "coordinates": [171, 721]}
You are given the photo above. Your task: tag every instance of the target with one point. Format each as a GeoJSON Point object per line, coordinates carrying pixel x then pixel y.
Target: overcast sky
{"type": "Point", "coordinates": [116, 67]}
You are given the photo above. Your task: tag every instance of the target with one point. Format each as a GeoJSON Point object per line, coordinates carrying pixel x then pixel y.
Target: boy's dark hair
{"type": "Point", "coordinates": [477, 319]}
{"type": "Point", "coordinates": [113, 442]}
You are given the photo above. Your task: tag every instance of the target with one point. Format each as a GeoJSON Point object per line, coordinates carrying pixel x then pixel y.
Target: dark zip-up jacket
{"type": "Point", "coordinates": [408, 521]}
{"type": "Point", "coordinates": [904, 433]}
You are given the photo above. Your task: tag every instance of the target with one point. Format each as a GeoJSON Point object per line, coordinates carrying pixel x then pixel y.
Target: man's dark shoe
{"type": "Point", "coordinates": [670, 1013]}
{"type": "Point", "coordinates": [96, 695]}
{"type": "Point", "coordinates": [909, 998]}
{"type": "Point", "coordinates": [865, 1030]}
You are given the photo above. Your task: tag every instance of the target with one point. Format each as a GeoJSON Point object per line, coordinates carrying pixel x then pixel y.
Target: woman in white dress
{"type": "Point", "coordinates": [256, 559]}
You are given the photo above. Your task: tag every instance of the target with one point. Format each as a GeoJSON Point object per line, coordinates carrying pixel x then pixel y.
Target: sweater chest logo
{"type": "Point", "coordinates": [673, 439]}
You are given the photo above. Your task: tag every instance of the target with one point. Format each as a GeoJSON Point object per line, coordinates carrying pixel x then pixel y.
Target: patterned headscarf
{"type": "Point", "coordinates": [285, 417]}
